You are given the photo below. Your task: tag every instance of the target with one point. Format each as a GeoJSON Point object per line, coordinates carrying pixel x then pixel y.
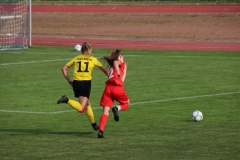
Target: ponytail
{"type": "Point", "coordinates": [112, 57]}
{"type": "Point", "coordinates": [85, 47]}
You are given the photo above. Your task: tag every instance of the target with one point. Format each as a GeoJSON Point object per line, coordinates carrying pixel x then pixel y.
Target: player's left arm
{"type": "Point", "coordinates": [116, 65]}
{"type": "Point", "coordinates": [104, 70]}
{"type": "Point", "coordinates": [100, 66]}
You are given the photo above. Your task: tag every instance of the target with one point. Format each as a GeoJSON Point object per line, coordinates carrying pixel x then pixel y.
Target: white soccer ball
{"type": "Point", "coordinates": [197, 116]}
{"type": "Point", "coordinates": [77, 47]}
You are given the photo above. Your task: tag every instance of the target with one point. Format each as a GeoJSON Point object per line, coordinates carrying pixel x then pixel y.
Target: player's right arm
{"type": "Point", "coordinates": [65, 74]}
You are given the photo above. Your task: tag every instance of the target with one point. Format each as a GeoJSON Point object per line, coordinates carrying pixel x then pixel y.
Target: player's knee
{"type": "Point", "coordinates": [106, 110]}
{"type": "Point", "coordinates": [128, 102]}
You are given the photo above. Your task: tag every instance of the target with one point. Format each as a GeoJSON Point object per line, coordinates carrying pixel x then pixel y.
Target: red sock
{"type": "Point", "coordinates": [124, 106]}
{"type": "Point", "coordinates": [103, 121]}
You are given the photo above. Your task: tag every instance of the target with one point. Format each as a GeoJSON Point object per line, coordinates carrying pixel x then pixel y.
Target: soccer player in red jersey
{"type": "Point", "coordinates": [114, 89]}
{"type": "Point", "coordinates": [83, 65]}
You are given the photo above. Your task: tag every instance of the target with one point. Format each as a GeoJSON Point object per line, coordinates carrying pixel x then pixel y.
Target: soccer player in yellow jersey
{"type": "Point", "coordinates": [83, 65]}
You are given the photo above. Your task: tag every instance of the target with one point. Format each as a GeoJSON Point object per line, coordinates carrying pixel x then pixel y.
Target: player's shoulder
{"type": "Point", "coordinates": [92, 57]}
{"type": "Point", "coordinates": [122, 63]}
{"type": "Point", "coordinates": [83, 57]}
{"type": "Point", "coordinates": [95, 59]}
{"type": "Point", "coordinates": [117, 61]}
{"type": "Point", "coordinates": [78, 56]}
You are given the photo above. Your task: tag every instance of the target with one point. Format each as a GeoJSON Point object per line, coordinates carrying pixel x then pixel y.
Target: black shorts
{"type": "Point", "coordinates": [82, 88]}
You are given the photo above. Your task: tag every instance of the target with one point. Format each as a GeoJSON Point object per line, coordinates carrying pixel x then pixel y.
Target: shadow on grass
{"type": "Point", "coordinates": [188, 120]}
{"type": "Point", "coordinates": [38, 131]}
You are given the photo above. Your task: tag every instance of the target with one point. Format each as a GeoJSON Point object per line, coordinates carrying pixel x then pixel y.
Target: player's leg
{"type": "Point", "coordinates": [120, 95]}
{"type": "Point", "coordinates": [123, 105]}
{"type": "Point", "coordinates": [90, 115]}
{"type": "Point", "coordinates": [84, 94]}
{"type": "Point", "coordinates": [103, 121]}
{"type": "Point", "coordinates": [84, 102]}
{"type": "Point", "coordinates": [74, 104]}
{"type": "Point", "coordinates": [77, 85]}
{"type": "Point", "coordinates": [106, 102]}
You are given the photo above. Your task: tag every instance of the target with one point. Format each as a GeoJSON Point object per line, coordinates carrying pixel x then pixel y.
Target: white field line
{"type": "Point", "coordinates": [55, 60]}
{"type": "Point", "coordinates": [202, 57]}
{"type": "Point", "coordinates": [132, 104]}
{"type": "Point", "coordinates": [15, 52]}
{"type": "Point", "coordinates": [5, 64]}
{"type": "Point", "coordinates": [182, 98]}
{"type": "Point", "coordinates": [39, 53]}
{"type": "Point", "coordinates": [43, 61]}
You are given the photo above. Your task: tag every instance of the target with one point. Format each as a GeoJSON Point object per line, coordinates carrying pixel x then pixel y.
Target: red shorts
{"type": "Point", "coordinates": [112, 93]}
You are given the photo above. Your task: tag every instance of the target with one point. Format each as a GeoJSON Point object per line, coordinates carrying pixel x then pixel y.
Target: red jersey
{"type": "Point", "coordinates": [113, 78]}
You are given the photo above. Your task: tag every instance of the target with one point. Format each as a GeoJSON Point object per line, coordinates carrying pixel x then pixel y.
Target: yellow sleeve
{"type": "Point", "coordinates": [71, 63]}
{"type": "Point", "coordinates": [97, 63]}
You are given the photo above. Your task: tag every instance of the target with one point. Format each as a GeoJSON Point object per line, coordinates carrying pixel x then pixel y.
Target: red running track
{"type": "Point", "coordinates": [138, 8]}
{"type": "Point", "coordinates": [128, 44]}
{"type": "Point", "coordinates": [140, 45]}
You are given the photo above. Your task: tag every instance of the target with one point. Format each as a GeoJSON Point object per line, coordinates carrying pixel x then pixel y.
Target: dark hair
{"type": "Point", "coordinates": [85, 47]}
{"type": "Point", "coordinates": [112, 57]}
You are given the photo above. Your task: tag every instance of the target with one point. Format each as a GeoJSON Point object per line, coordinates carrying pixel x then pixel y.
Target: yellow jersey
{"type": "Point", "coordinates": [83, 66]}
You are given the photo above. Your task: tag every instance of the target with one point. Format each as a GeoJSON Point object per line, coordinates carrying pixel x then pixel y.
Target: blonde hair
{"type": "Point", "coordinates": [85, 47]}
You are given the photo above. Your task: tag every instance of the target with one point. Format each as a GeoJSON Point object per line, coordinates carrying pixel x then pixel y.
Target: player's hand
{"type": "Point", "coordinates": [70, 82]}
{"type": "Point", "coordinates": [119, 76]}
{"type": "Point", "coordinates": [125, 64]}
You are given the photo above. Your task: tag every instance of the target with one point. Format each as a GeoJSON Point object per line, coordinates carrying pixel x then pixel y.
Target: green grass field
{"type": "Point", "coordinates": [164, 87]}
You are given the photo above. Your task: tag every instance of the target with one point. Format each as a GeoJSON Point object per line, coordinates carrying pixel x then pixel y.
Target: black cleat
{"type": "Point", "coordinates": [100, 134]}
{"type": "Point", "coordinates": [115, 112]}
{"type": "Point", "coordinates": [95, 126]}
{"type": "Point", "coordinates": [64, 99]}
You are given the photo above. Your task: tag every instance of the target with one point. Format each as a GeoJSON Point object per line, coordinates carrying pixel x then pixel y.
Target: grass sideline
{"type": "Point", "coordinates": [164, 88]}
